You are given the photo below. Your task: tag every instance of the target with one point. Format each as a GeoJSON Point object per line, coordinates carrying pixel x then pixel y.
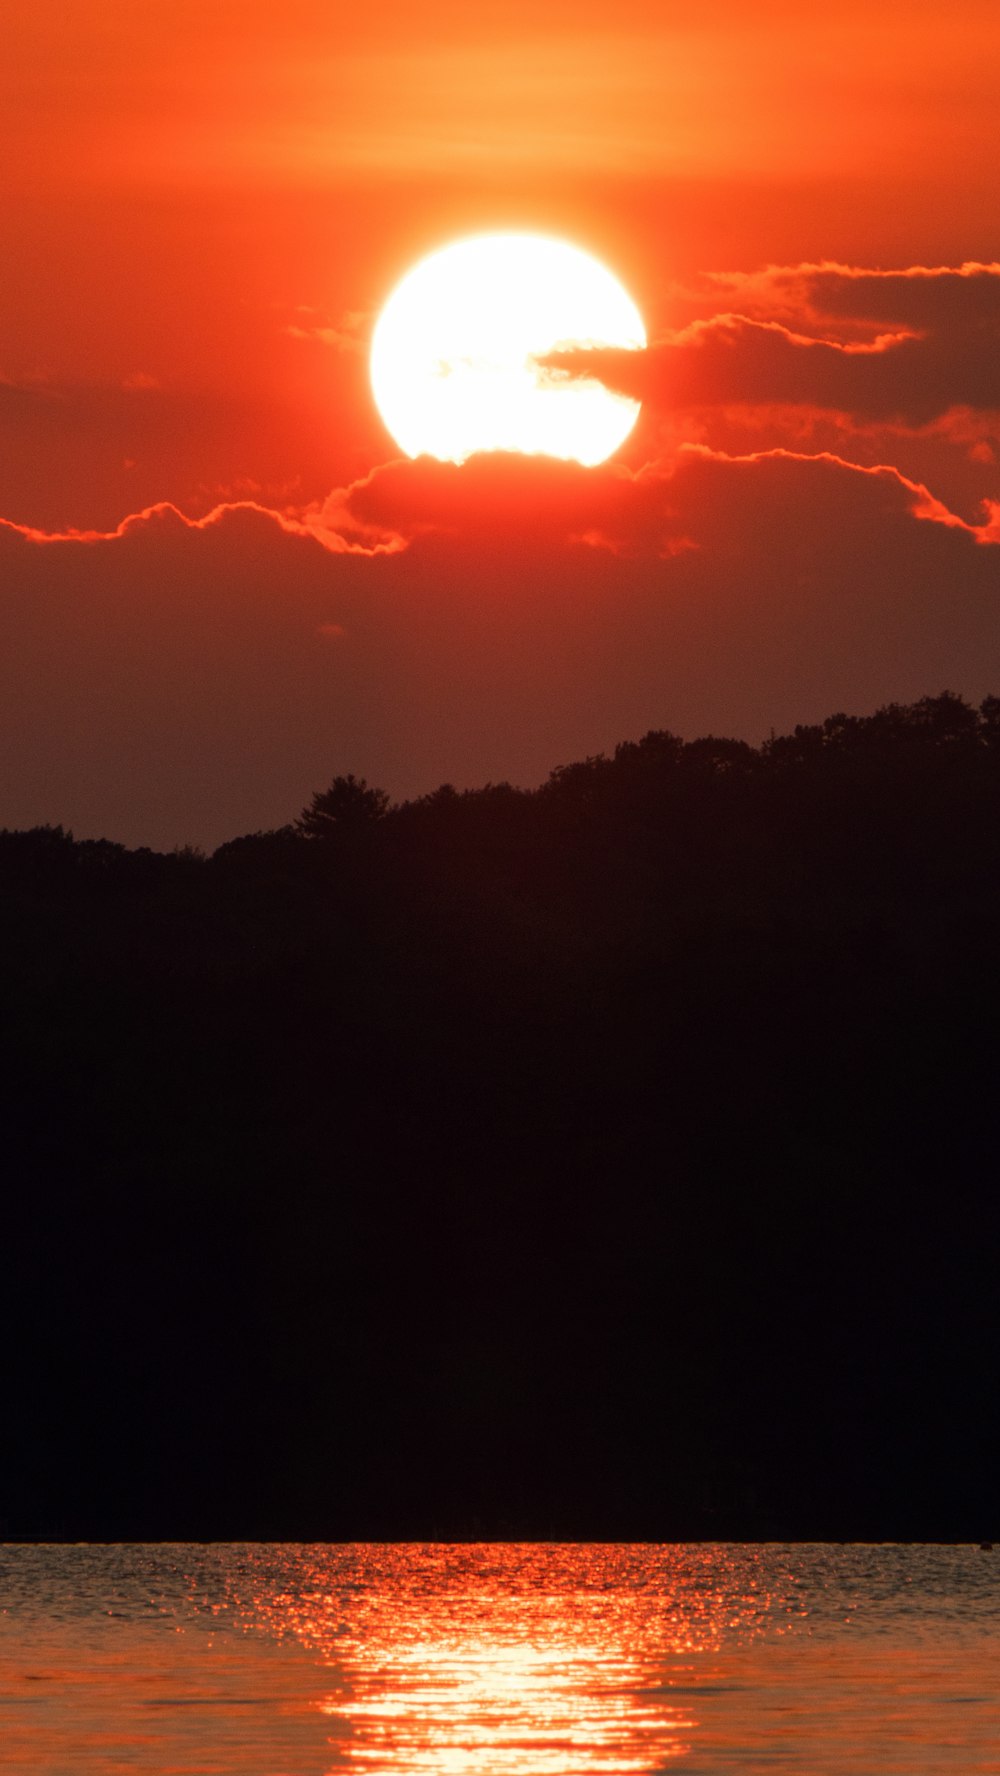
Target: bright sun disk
{"type": "Point", "coordinates": [454, 353]}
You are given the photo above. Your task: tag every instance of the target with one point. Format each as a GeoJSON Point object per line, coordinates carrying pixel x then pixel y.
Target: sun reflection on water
{"type": "Point", "coordinates": [492, 1708]}
{"type": "Point", "coordinates": [481, 1661]}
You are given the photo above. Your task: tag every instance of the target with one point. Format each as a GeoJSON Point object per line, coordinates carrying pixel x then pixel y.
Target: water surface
{"type": "Point", "coordinates": [245, 1660]}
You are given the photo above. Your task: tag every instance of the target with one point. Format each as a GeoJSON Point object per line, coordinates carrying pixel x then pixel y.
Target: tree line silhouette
{"type": "Point", "coordinates": [617, 1157]}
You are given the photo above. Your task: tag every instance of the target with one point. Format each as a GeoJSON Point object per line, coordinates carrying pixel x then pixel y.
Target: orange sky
{"type": "Point", "coordinates": [204, 207]}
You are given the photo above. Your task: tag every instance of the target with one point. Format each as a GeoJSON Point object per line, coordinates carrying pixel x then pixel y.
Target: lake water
{"type": "Point", "coordinates": [249, 1660]}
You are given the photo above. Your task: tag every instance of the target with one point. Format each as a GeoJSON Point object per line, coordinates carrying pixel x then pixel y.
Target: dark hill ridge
{"type": "Point", "coordinates": [617, 1158]}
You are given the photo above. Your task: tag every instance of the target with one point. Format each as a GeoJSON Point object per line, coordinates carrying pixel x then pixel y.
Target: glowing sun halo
{"type": "Point", "coordinates": [453, 357]}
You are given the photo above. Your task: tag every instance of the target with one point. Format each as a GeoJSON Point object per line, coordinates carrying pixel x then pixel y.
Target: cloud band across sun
{"type": "Point", "coordinates": [901, 346]}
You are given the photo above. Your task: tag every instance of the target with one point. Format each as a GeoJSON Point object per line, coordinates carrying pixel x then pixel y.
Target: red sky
{"type": "Point", "coordinates": [203, 208]}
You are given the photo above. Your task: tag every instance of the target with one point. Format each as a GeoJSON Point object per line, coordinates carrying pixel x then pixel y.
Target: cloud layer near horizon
{"type": "Point", "coordinates": [180, 681]}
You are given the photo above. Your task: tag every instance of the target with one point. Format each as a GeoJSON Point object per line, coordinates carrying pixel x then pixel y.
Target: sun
{"type": "Point", "coordinates": [454, 354]}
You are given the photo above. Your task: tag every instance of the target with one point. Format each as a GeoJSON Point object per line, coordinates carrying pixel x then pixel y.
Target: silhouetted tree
{"type": "Point", "coordinates": [989, 721]}
{"type": "Point", "coordinates": [944, 719]}
{"type": "Point", "coordinates": [346, 805]}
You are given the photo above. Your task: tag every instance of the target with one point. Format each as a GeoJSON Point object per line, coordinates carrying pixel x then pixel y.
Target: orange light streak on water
{"type": "Point", "coordinates": [489, 1710]}
{"type": "Point", "coordinates": [504, 1659]}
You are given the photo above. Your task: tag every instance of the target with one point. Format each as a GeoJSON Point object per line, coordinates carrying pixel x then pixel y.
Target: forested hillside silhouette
{"type": "Point", "coordinates": [614, 1158]}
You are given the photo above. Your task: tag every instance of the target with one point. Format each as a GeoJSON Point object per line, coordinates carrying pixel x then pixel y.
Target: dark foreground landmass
{"type": "Point", "coordinates": [617, 1159]}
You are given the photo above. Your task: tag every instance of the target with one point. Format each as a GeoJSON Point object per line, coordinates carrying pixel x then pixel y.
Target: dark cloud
{"type": "Point", "coordinates": [941, 350]}
{"type": "Point", "coordinates": [934, 298]}
{"type": "Point", "coordinates": [178, 682]}
{"type": "Point", "coordinates": [496, 498]}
